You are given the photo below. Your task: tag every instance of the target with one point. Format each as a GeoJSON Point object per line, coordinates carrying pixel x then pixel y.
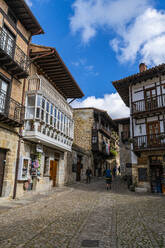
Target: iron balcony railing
{"type": "Point", "coordinates": [8, 45]}
{"type": "Point", "coordinates": [11, 111]}
{"type": "Point", "coordinates": [149, 141]}
{"type": "Point", "coordinates": [148, 104]}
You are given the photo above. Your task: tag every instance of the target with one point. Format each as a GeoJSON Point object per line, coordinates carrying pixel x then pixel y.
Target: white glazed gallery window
{"type": "Point", "coordinates": [55, 117]}
{"type": "Point", "coordinates": [51, 115]}
{"type": "Point", "coordinates": [3, 93]}
{"type": "Point", "coordinates": [47, 112]}
{"type": "Point", "coordinates": [58, 120]}
{"type": "Point", "coordinates": [38, 108]}
{"type": "Point", "coordinates": [43, 106]}
{"type": "Point", "coordinates": [65, 124]}
{"type": "Point", "coordinates": [30, 111]}
{"type": "Point", "coordinates": [62, 119]}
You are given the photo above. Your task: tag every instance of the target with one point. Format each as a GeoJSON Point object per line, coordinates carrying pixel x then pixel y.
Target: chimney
{"type": "Point", "coordinates": [142, 67]}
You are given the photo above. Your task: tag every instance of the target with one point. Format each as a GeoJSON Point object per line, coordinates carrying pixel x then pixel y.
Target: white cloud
{"type": "Point", "coordinates": [112, 103]}
{"type": "Point", "coordinates": [29, 2]}
{"type": "Point", "coordinates": [90, 15]}
{"type": "Point", "coordinates": [144, 37]}
{"type": "Point", "coordinates": [139, 28]}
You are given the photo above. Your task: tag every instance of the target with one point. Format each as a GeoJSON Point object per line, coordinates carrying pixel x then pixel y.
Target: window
{"type": "Point", "coordinates": [51, 114]}
{"type": "Point", "coordinates": [38, 111]}
{"type": "Point", "coordinates": [43, 101]}
{"type": "Point", "coordinates": [47, 112]}
{"type": "Point", "coordinates": [55, 117]}
{"type": "Point", "coordinates": [3, 93]}
{"type": "Point", "coordinates": [94, 139]}
{"type": "Point", "coordinates": [61, 122]}
{"type": "Point", "coordinates": [58, 120]}
{"type": "Point", "coordinates": [8, 41]}
{"type": "Point", "coordinates": [30, 113]}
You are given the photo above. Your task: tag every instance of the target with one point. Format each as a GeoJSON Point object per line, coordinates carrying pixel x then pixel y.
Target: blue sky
{"type": "Point", "coordinates": [101, 41]}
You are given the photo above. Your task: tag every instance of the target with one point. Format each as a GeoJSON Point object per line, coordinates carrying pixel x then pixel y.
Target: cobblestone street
{"type": "Point", "coordinates": [84, 216]}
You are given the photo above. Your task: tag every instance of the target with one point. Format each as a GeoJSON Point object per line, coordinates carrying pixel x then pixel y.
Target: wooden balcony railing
{"type": "Point", "coordinates": [149, 104]}
{"type": "Point", "coordinates": [14, 53]}
{"type": "Point", "coordinates": [11, 111]}
{"type": "Point", "coordinates": [149, 141]}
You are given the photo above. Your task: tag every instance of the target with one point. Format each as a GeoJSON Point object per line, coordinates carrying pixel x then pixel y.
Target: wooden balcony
{"type": "Point", "coordinates": [11, 111]}
{"type": "Point", "coordinates": [149, 142]}
{"type": "Point", "coordinates": [148, 106]}
{"type": "Point", "coordinates": [12, 58]}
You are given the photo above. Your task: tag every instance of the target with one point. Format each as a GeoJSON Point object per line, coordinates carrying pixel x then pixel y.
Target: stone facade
{"type": "Point", "coordinates": [72, 164]}
{"type": "Point", "coordinates": [8, 142]}
{"type": "Point", "coordinates": [83, 123]}
{"type": "Point", "coordinates": [93, 132]}
{"type": "Point", "coordinates": [124, 146]}
{"type": "Point", "coordinates": [15, 40]}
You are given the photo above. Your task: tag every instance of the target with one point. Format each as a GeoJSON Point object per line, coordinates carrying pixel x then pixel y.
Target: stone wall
{"type": "Point", "coordinates": [83, 123]}
{"type": "Point", "coordinates": [72, 159]}
{"type": "Point", "coordinates": [143, 162]}
{"type": "Point", "coordinates": [9, 142]}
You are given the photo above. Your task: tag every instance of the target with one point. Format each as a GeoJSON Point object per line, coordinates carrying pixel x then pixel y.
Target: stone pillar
{"type": "Point", "coordinates": [61, 169]}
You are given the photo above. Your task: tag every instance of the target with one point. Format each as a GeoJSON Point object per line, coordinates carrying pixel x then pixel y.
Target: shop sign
{"type": "Point", "coordinates": [39, 148]}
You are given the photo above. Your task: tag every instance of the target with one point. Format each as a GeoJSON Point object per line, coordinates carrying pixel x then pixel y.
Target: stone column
{"type": "Point", "coordinates": [61, 169]}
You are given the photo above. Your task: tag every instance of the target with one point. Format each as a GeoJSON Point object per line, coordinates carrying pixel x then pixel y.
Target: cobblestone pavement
{"type": "Point", "coordinates": [84, 216]}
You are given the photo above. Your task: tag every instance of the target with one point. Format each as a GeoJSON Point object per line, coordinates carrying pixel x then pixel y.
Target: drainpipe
{"type": "Point", "coordinates": [20, 132]}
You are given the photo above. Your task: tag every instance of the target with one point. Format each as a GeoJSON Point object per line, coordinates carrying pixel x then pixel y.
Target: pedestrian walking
{"type": "Point", "coordinates": [108, 177]}
{"type": "Point", "coordinates": [114, 172]}
{"type": "Point", "coordinates": [88, 175]}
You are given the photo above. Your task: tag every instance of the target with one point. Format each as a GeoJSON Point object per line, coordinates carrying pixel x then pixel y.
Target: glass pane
{"type": "Point", "coordinates": [51, 109]}
{"type": "Point", "coordinates": [38, 113]}
{"type": "Point", "coordinates": [43, 103]}
{"type": "Point", "coordinates": [59, 115]}
{"type": "Point", "coordinates": [42, 115]}
{"type": "Point", "coordinates": [30, 113]}
{"type": "Point", "coordinates": [153, 92]}
{"type": "Point", "coordinates": [51, 120]}
{"type": "Point", "coordinates": [31, 101]}
{"type": "Point", "coordinates": [47, 118]}
{"type": "Point", "coordinates": [148, 93]}
{"type": "Point", "coordinates": [47, 106]}
{"type": "Point", "coordinates": [54, 122]}
{"type": "Point", "coordinates": [4, 86]}
{"type": "Point", "coordinates": [55, 112]}
{"type": "Point", "coordinates": [58, 125]}
{"type": "Point", "coordinates": [38, 100]}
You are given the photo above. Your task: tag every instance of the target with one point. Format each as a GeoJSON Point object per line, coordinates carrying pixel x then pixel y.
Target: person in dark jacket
{"type": "Point", "coordinates": [108, 177]}
{"type": "Point", "coordinates": [88, 175]}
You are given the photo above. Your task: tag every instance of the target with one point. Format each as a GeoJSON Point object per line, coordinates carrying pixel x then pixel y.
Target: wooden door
{"type": "Point", "coordinates": [150, 99]}
{"type": "Point", "coordinates": [53, 171]}
{"type": "Point", "coordinates": [2, 168]}
{"type": "Point", "coordinates": [153, 130]}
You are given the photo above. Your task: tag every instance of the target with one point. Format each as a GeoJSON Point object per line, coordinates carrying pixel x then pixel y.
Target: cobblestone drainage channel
{"type": "Point", "coordinates": [90, 243]}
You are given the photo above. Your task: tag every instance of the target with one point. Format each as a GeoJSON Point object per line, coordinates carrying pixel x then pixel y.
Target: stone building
{"type": "Point", "coordinates": [95, 133]}
{"type": "Point", "coordinates": [17, 26]}
{"type": "Point", "coordinates": [48, 126]}
{"type": "Point", "coordinates": [124, 146]}
{"type": "Point", "coordinates": [144, 93]}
